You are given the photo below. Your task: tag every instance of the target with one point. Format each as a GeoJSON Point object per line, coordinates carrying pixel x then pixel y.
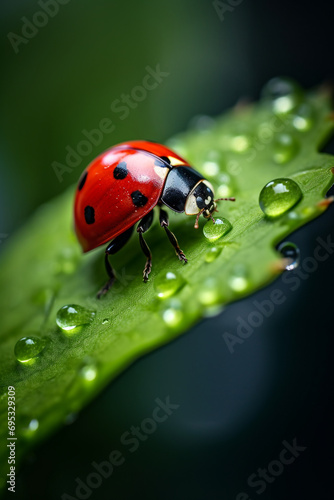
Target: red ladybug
{"type": "Point", "coordinates": [123, 185]}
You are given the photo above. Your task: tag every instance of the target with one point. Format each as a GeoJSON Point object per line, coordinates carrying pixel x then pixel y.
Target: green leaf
{"type": "Point", "coordinates": [42, 268]}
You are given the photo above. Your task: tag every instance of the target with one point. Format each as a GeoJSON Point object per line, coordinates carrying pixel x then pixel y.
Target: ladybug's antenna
{"type": "Point", "coordinates": [215, 210]}
{"type": "Point", "coordinates": [225, 199]}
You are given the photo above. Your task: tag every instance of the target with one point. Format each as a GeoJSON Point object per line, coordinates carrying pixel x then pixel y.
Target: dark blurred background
{"type": "Point", "coordinates": [235, 409]}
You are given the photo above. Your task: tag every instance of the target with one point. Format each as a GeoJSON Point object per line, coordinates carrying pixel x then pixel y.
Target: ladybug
{"type": "Point", "coordinates": [121, 187]}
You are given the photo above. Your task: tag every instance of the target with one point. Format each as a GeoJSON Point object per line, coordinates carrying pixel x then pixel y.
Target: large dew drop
{"type": "Point", "coordinates": [71, 316]}
{"type": "Point", "coordinates": [278, 196]}
{"type": "Point", "coordinates": [215, 230]}
{"type": "Point", "coordinates": [27, 348]}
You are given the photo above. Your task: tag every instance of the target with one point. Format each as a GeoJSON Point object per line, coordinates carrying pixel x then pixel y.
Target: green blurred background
{"type": "Point", "coordinates": [234, 410]}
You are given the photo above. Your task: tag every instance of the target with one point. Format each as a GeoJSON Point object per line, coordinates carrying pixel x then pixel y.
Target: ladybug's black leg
{"type": "Point", "coordinates": [142, 227]}
{"type": "Point", "coordinates": [164, 222]}
{"type": "Point", "coordinates": [113, 247]}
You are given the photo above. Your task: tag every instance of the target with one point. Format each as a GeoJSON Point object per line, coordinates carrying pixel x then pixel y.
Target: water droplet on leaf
{"type": "Point", "coordinates": [27, 348]}
{"type": "Point", "coordinates": [294, 215]}
{"type": "Point", "coordinates": [68, 260]}
{"type": "Point", "coordinates": [285, 147]}
{"type": "Point", "coordinates": [291, 252]}
{"type": "Point", "coordinates": [210, 168]}
{"type": "Point", "coordinates": [303, 118]}
{"type": "Point", "coordinates": [71, 316]}
{"type": "Point", "coordinates": [172, 313]}
{"type": "Point", "coordinates": [88, 371]}
{"type": "Point", "coordinates": [238, 280]}
{"type": "Point", "coordinates": [214, 231]}
{"type": "Point", "coordinates": [30, 427]}
{"type": "Point", "coordinates": [284, 94]}
{"type": "Point", "coordinates": [212, 254]}
{"type": "Point", "coordinates": [224, 189]}
{"type": "Point", "coordinates": [167, 284]}
{"type": "Point", "coordinates": [278, 196]}
{"type": "Point", "coordinates": [209, 292]}
{"type": "Point", "coordinates": [238, 142]}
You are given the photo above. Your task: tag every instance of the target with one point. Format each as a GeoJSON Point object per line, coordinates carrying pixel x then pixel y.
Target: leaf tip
{"type": "Point", "coordinates": [330, 116]}
{"type": "Point", "coordinates": [280, 265]}
{"type": "Point", "coordinates": [242, 105]}
{"type": "Point", "coordinates": [327, 88]}
{"type": "Point", "coordinates": [326, 201]}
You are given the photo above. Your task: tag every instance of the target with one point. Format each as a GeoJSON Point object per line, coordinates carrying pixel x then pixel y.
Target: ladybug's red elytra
{"type": "Point", "coordinates": [123, 185]}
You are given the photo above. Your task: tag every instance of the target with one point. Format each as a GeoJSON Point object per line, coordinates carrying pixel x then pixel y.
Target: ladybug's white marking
{"type": "Point", "coordinates": [191, 207]}
{"type": "Point", "coordinates": [175, 161]}
{"type": "Point", "coordinates": [161, 171]}
{"type": "Point", "coordinates": [208, 184]}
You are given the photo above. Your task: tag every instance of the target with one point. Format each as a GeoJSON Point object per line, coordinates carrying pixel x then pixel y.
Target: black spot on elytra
{"type": "Point", "coordinates": [121, 171]}
{"type": "Point", "coordinates": [139, 199]}
{"type": "Point", "coordinates": [82, 180]}
{"type": "Point", "coordinates": [89, 215]}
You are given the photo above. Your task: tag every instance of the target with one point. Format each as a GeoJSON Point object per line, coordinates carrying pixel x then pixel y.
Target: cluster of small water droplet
{"type": "Point", "coordinates": [287, 114]}
{"type": "Point", "coordinates": [69, 318]}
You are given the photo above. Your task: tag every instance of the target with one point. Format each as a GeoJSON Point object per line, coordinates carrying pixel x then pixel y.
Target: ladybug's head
{"type": "Point", "coordinates": [185, 190]}
{"type": "Point", "coordinates": [200, 201]}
